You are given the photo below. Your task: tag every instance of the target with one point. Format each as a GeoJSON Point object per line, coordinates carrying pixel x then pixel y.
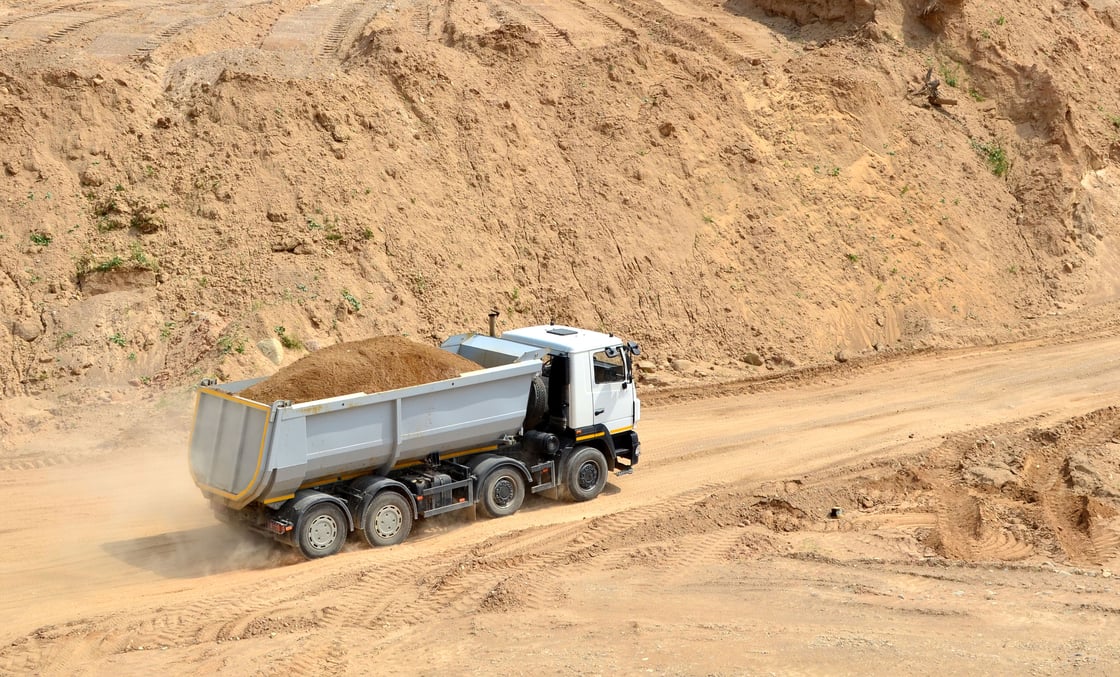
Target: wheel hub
{"type": "Point", "coordinates": [388, 520]}
{"type": "Point", "coordinates": [322, 532]}
{"type": "Point", "coordinates": [504, 491]}
{"type": "Point", "coordinates": [588, 475]}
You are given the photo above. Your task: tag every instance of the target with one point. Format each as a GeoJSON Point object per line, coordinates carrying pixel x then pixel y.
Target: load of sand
{"type": "Point", "coordinates": [367, 366]}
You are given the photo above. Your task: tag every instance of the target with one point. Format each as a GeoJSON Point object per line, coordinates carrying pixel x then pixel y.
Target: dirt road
{"type": "Point", "coordinates": [716, 556]}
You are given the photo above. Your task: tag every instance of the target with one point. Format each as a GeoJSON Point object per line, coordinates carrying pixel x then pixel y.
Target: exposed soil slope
{"type": "Point", "coordinates": [711, 180]}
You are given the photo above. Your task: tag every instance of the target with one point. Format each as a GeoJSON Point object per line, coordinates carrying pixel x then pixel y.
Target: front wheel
{"type": "Point", "coordinates": [322, 531]}
{"type": "Point", "coordinates": [587, 474]}
{"type": "Point", "coordinates": [502, 492]}
{"type": "Point", "coordinates": [387, 519]}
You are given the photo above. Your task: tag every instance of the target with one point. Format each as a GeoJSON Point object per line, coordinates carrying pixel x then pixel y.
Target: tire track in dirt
{"type": "Point", "coordinates": [421, 19]}
{"type": "Point", "coordinates": [324, 29]}
{"type": "Point", "coordinates": [677, 31]}
{"type": "Point", "coordinates": [508, 12]}
{"type": "Point", "coordinates": [717, 23]}
{"type": "Point", "coordinates": [165, 34]}
{"type": "Point", "coordinates": [4, 23]}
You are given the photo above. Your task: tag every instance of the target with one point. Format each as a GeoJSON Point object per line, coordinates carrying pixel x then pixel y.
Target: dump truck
{"type": "Point", "coordinates": [550, 410]}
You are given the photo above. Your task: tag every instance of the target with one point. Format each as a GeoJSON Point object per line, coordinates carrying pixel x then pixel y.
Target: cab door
{"type": "Point", "coordinates": [612, 388]}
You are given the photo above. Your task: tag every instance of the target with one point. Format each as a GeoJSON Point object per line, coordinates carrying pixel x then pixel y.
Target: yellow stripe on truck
{"type": "Point", "coordinates": [589, 437]}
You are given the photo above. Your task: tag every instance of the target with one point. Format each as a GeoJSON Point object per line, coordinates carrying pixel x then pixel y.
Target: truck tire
{"type": "Point", "coordinates": [387, 519]}
{"type": "Point", "coordinates": [502, 492]}
{"type": "Point", "coordinates": [322, 530]}
{"type": "Point", "coordinates": [587, 474]}
{"type": "Point", "coordinates": [537, 406]}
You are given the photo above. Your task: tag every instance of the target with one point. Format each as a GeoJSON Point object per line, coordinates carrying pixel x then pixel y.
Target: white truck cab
{"type": "Point", "coordinates": [600, 374]}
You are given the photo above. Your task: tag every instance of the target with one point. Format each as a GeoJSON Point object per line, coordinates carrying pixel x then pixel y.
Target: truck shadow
{"type": "Point", "coordinates": [218, 548]}
{"type": "Point", "coordinates": [434, 527]}
{"type": "Point", "coordinates": [194, 553]}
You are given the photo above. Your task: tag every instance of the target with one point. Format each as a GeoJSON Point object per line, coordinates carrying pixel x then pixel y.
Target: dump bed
{"type": "Point", "coordinates": [243, 451]}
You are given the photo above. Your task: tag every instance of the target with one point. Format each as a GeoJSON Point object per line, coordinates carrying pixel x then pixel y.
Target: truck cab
{"type": "Point", "coordinates": [588, 382]}
{"type": "Point", "coordinates": [598, 388]}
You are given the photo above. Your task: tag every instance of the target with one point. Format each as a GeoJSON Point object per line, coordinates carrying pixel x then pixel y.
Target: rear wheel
{"type": "Point", "coordinates": [387, 519]}
{"type": "Point", "coordinates": [502, 492]}
{"type": "Point", "coordinates": [587, 474]}
{"type": "Point", "coordinates": [322, 530]}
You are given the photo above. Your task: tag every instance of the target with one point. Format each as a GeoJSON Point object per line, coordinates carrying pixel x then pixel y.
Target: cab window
{"type": "Point", "coordinates": [609, 365]}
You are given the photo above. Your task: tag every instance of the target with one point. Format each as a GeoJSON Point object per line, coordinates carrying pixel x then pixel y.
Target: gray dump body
{"type": "Point", "coordinates": [243, 451]}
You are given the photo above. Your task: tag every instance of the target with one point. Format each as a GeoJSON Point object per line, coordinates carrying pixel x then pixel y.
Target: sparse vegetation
{"type": "Point", "coordinates": [40, 238]}
{"type": "Point", "coordinates": [231, 343]}
{"type": "Point", "coordinates": [288, 341]}
{"type": "Point", "coordinates": [118, 340]}
{"type": "Point", "coordinates": [141, 259]}
{"type": "Point", "coordinates": [995, 155]}
{"type": "Point", "coordinates": [165, 330]}
{"type": "Point", "coordinates": [354, 303]}
{"type": "Point", "coordinates": [949, 74]}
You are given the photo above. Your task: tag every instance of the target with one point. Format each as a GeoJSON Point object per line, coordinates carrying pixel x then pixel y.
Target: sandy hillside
{"type": "Point", "coordinates": [848, 297]}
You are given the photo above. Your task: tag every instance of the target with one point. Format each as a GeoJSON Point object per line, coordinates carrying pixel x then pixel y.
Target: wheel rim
{"type": "Point", "coordinates": [504, 491]}
{"type": "Point", "coordinates": [388, 520]}
{"type": "Point", "coordinates": [322, 532]}
{"type": "Point", "coordinates": [588, 475]}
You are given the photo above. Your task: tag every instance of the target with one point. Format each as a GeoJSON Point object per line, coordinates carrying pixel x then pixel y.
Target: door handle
{"type": "Point", "coordinates": [599, 411]}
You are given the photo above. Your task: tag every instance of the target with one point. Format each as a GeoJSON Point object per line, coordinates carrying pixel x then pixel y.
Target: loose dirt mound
{"type": "Point", "coordinates": [369, 366]}
{"type": "Point", "coordinates": [1001, 495]}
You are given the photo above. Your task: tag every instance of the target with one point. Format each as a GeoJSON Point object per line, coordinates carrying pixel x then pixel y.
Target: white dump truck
{"type": "Point", "coordinates": [551, 409]}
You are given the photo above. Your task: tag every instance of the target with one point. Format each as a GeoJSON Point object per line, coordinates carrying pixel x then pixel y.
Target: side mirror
{"type": "Point", "coordinates": [611, 352]}
{"type": "Point", "coordinates": [633, 347]}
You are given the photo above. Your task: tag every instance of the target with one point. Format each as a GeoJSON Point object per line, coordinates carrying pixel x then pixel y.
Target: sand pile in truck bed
{"type": "Point", "coordinates": [369, 366]}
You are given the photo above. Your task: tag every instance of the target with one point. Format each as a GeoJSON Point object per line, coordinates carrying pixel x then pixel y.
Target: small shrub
{"type": "Point", "coordinates": [949, 75]}
{"type": "Point", "coordinates": [289, 342]}
{"type": "Point", "coordinates": [41, 239]}
{"type": "Point", "coordinates": [108, 264]}
{"type": "Point", "coordinates": [229, 343]}
{"type": "Point", "coordinates": [355, 304]}
{"type": "Point", "coordinates": [117, 339]}
{"type": "Point", "coordinates": [995, 156]}
{"type": "Point", "coordinates": [140, 258]}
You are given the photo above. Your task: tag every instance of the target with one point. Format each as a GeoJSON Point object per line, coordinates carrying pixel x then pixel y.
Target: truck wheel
{"type": "Point", "coordinates": [322, 530]}
{"type": "Point", "coordinates": [387, 519]}
{"type": "Point", "coordinates": [537, 407]}
{"type": "Point", "coordinates": [502, 492]}
{"type": "Point", "coordinates": [587, 474]}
